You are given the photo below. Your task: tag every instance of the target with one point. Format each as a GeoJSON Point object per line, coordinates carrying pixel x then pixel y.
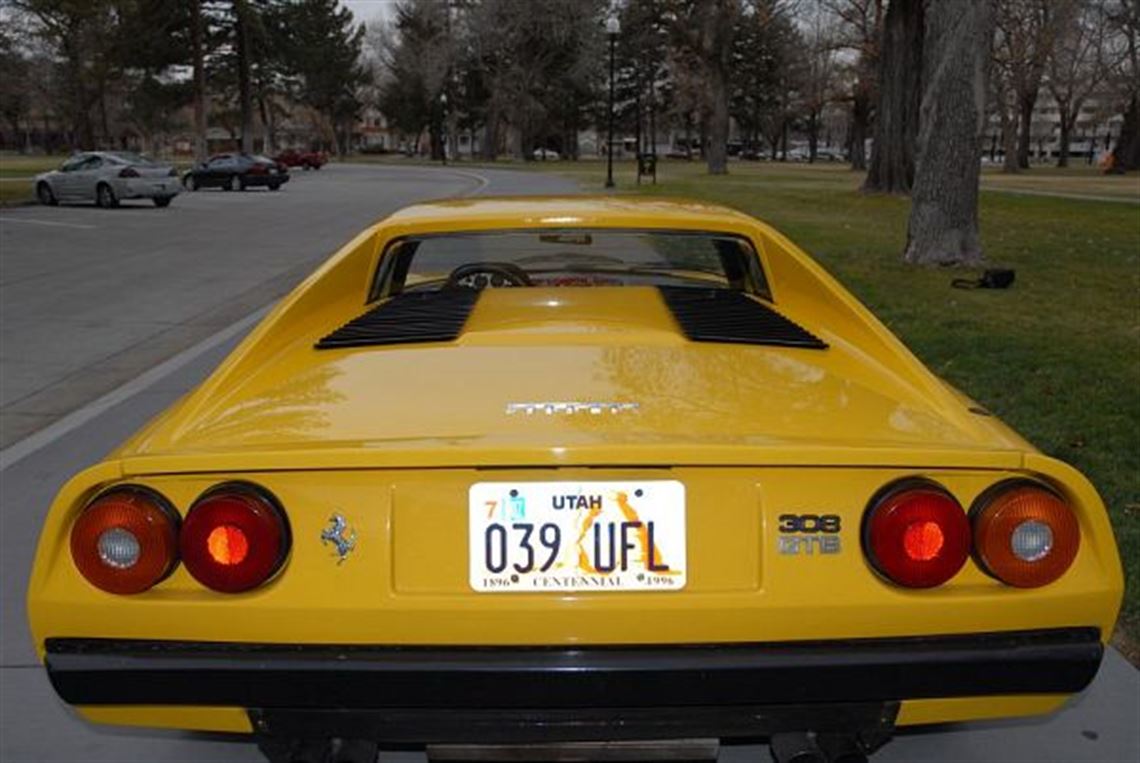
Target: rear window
{"type": "Point", "coordinates": [570, 258]}
{"type": "Point", "coordinates": [130, 157]}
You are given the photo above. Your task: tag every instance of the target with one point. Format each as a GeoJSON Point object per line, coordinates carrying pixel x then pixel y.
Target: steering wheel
{"type": "Point", "coordinates": [481, 275]}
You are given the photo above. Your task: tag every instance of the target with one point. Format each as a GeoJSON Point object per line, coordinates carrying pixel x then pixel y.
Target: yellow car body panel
{"type": "Point", "coordinates": [393, 437]}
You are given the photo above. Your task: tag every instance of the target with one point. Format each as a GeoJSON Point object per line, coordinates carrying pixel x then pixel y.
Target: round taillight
{"type": "Point", "coordinates": [234, 538]}
{"type": "Point", "coordinates": [126, 540]}
{"type": "Point", "coordinates": [1025, 535]}
{"type": "Point", "coordinates": [916, 534]}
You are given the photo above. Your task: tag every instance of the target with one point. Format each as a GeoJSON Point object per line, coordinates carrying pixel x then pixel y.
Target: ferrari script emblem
{"type": "Point", "coordinates": [340, 535]}
{"type": "Point", "coordinates": [556, 408]}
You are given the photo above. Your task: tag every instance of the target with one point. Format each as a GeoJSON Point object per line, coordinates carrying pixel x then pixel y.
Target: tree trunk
{"type": "Point", "coordinates": [245, 99]}
{"type": "Point", "coordinates": [857, 138]}
{"type": "Point", "coordinates": [717, 149]}
{"type": "Point", "coordinates": [900, 82]}
{"type": "Point", "coordinates": [104, 123]}
{"type": "Point", "coordinates": [1025, 137]}
{"type": "Point", "coordinates": [943, 227]}
{"type": "Point", "coordinates": [491, 131]}
{"type": "Point", "coordinates": [1126, 155]}
{"type": "Point", "coordinates": [1009, 143]}
{"type": "Point", "coordinates": [1066, 131]}
{"type": "Point", "coordinates": [199, 85]}
{"type": "Point", "coordinates": [268, 141]}
{"type": "Point", "coordinates": [813, 136]}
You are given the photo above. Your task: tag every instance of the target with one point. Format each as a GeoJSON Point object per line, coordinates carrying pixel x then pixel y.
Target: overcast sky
{"type": "Point", "coordinates": [369, 10]}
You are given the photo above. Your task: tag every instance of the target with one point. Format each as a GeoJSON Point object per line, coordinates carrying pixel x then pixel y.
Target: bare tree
{"type": "Point", "coordinates": [896, 121]}
{"type": "Point", "coordinates": [1077, 67]}
{"type": "Point", "coordinates": [1027, 31]}
{"type": "Point", "coordinates": [943, 227]}
{"type": "Point", "coordinates": [819, 75]}
{"type": "Point", "coordinates": [533, 58]}
{"type": "Point", "coordinates": [76, 33]}
{"type": "Point", "coordinates": [706, 29]}
{"type": "Point", "coordinates": [1124, 17]}
{"type": "Point", "coordinates": [1005, 104]}
{"type": "Point", "coordinates": [859, 31]}
{"type": "Point", "coordinates": [198, 54]}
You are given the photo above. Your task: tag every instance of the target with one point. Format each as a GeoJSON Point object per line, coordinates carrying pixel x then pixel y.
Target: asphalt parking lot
{"type": "Point", "coordinates": [106, 317]}
{"type": "Point", "coordinates": [90, 298]}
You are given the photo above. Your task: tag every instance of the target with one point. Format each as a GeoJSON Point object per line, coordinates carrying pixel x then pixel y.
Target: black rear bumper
{"type": "Point", "coordinates": [449, 694]}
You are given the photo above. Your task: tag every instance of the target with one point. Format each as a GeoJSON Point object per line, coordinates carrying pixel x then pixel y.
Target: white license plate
{"type": "Point", "coordinates": [576, 536]}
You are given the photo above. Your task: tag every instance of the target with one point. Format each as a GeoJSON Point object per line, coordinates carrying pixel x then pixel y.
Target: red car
{"type": "Point", "coordinates": [310, 160]}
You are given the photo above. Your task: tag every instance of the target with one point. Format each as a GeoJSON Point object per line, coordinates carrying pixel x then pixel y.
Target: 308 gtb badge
{"type": "Point", "coordinates": [809, 534]}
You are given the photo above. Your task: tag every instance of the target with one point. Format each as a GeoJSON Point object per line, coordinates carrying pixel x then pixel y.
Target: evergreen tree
{"type": "Point", "coordinates": [324, 50]}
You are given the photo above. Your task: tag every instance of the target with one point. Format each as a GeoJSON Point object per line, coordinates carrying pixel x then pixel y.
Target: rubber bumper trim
{"type": "Point", "coordinates": [132, 672]}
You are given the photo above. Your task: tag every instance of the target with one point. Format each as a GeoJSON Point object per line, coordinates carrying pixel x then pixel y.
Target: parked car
{"type": "Point", "coordinates": [546, 154]}
{"type": "Point", "coordinates": [798, 154]}
{"type": "Point", "coordinates": [309, 160]}
{"type": "Point", "coordinates": [561, 469]}
{"type": "Point", "coordinates": [236, 172]}
{"type": "Point", "coordinates": [106, 178]}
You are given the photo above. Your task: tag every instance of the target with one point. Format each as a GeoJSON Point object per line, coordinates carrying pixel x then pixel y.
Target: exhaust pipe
{"type": "Point", "coordinates": [841, 748]}
{"type": "Point", "coordinates": [796, 747]}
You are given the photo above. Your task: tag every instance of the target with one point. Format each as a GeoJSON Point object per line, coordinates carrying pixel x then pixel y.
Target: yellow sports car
{"type": "Point", "coordinates": [569, 470]}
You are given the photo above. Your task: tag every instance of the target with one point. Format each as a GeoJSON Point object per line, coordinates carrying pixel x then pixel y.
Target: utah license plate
{"type": "Point", "coordinates": [576, 536]}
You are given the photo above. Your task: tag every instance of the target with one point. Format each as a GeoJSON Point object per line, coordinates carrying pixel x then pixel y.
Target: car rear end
{"type": "Point", "coordinates": [568, 514]}
{"type": "Point", "coordinates": [264, 172]}
{"type": "Point", "coordinates": [143, 180]}
{"type": "Point", "coordinates": [399, 605]}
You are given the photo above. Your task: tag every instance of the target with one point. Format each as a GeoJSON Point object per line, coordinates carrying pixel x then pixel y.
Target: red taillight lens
{"type": "Point", "coordinates": [128, 172]}
{"type": "Point", "coordinates": [234, 538]}
{"type": "Point", "coordinates": [126, 540]}
{"type": "Point", "coordinates": [917, 535]}
{"type": "Point", "coordinates": [1025, 535]}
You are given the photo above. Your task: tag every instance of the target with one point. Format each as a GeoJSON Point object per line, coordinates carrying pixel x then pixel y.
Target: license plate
{"type": "Point", "coordinates": [576, 536]}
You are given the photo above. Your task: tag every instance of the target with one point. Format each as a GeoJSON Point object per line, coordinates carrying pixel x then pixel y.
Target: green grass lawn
{"type": "Point", "coordinates": [16, 173]}
{"type": "Point", "coordinates": [16, 166]}
{"type": "Point", "coordinates": [1057, 357]}
{"type": "Point", "coordinates": [15, 191]}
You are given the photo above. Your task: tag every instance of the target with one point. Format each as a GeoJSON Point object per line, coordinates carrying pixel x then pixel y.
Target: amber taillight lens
{"type": "Point", "coordinates": [126, 540]}
{"type": "Point", "coordinates": [1025, 535]}
{"type": "Point", "coordinates": [234, 538]}
{"type": "Point", "coordinates": [916, 534]}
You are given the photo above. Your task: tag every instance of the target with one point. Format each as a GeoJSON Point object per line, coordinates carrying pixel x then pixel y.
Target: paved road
{"type": "Point", "coordinates": [90, 298]}
{"type": "Point", "coordinates": [192, 303]}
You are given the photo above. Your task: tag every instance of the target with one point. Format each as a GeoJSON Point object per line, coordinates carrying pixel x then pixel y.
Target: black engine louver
{"type": "Point", "coordinates": [722, 315]}
{"type": "Point", "coordinates": [427, 316]}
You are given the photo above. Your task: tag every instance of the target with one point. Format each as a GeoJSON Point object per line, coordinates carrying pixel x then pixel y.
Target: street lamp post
{"type": "Point", "coordinates": [613, 28]}
{"type": "Point", "coordinates": [443, 128]}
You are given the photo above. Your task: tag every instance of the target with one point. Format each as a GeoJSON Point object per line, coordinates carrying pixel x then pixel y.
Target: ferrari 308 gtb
{"type": "Point", "coordinates": [561, 471]}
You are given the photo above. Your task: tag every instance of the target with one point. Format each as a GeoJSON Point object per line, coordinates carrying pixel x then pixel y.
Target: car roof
{"type": "Point", "coordinates": [489, 212]}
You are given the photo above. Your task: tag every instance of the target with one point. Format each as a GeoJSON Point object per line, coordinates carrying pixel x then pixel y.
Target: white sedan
{"type": "Point", "coordinates": [107, 177]}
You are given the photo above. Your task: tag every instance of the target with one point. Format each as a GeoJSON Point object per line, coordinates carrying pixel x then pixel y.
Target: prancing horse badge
{"type": "Point", "coordinates": [340, 535]}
